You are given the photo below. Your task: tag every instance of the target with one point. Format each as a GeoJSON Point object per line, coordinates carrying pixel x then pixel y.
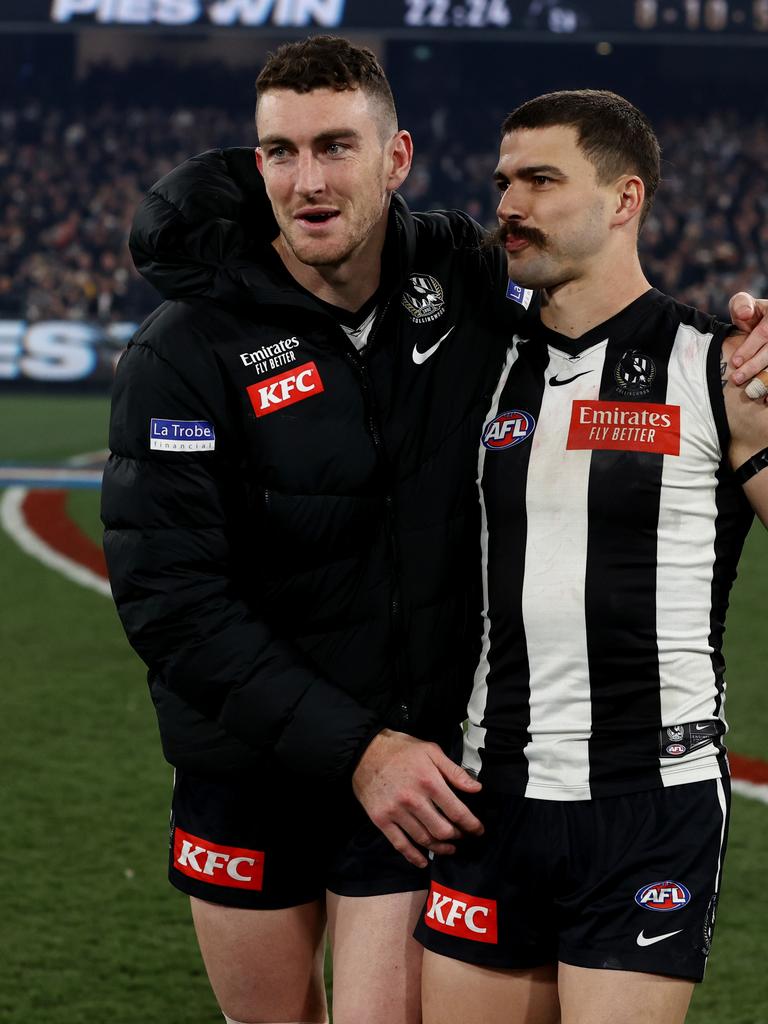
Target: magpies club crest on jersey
{"type": "Point", "coordinates": [423, 298]}
{"type": "Point", "coordinates": [508, 429]}
{"type": "Point", "coordinates": [664, 896]}
{"type": "Point", "coordinates": [634, 374]}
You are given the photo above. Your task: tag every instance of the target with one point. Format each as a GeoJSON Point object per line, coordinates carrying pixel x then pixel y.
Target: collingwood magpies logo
{"type": "Point", "coordinates": [423, 298]}
{"type": "Point", "coordinates": [634, 374]}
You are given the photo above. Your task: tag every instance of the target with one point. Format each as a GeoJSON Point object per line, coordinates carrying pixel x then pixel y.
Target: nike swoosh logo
{"type": "Point", "coordinates": [422, 357]}
{"type": "Point", "coordinates": [642, 941]}
{"type": "Point", "coordinates": [555, 383]}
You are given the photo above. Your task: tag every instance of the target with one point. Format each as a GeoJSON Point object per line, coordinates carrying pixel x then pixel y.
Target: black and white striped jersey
{"type": "Point", "coordinates": [611, 533]}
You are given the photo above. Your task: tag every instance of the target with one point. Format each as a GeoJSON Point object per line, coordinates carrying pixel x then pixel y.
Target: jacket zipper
{"type": "Point", "coordinates": [361, 368]}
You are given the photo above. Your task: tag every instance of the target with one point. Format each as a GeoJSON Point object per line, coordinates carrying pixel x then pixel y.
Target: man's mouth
{"type": "Point", "coordinates": [312, 216]}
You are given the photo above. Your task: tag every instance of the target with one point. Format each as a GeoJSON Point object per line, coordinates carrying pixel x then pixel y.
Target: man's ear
{"type": "Point", "coordinates": [630, 196]}
{"type": "Point", "coordinates": [401, 160]}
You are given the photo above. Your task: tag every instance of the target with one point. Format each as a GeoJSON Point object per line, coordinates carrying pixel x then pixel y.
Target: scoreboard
{"type": "Point", "coordinates": [630, 20]}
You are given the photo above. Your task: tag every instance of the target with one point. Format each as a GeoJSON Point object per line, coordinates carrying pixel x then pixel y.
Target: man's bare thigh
{"type": "Point", "coordinates": [376, 960]}
{"type": "Point", "coordinates": [264, 965]}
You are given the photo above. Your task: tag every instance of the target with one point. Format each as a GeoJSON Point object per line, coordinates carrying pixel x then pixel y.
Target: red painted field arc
{"type": "Point", "coordinates": [46, 514]}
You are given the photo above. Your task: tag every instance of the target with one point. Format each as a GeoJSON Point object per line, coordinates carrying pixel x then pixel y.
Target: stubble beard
{"type": "Point", "coordinates": [332, 253]}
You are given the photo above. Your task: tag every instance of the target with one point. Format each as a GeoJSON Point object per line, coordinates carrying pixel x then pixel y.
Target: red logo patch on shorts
{"type": "Point", "coordinates": [231, 866]}
{"type": "Point", "coordinates": [285, 389]}
{"type": "Point", "coordinates": [458, 913]}
{"type": "Point", "coordinates": [625, 426]}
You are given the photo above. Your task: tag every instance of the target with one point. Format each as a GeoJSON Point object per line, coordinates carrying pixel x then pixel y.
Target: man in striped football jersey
{"type": "Point", "coordinates": [618, 474]}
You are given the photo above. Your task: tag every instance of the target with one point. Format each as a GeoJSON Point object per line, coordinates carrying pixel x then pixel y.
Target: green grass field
{"type": "Point", "coordinates": [90, 931]}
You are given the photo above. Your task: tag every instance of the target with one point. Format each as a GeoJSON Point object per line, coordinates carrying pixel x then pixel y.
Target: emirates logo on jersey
{"type": "Point", "coordinates": [625, 426]}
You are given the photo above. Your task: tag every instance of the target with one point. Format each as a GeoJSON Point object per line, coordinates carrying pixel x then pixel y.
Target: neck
{"type": "Point", "coordinates": [578, 305]}
{"type": "Point", "coordinates": [348, 284]}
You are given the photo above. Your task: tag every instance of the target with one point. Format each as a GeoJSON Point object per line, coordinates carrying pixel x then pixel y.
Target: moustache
{"type": "Point", "coordinates": [504, 231]}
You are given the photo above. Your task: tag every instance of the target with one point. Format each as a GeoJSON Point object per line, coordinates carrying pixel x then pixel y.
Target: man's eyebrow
{"type": "Point", "coordinates": [529, 172]}
{"type": "Point", "coordinates": [331, 135]}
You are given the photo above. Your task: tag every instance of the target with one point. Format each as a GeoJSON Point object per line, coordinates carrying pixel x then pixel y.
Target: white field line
{"type": "Point", "coordinates": [34, 476]}
{"type": "Point", "coordinates": [752, 790]}
{"type": "Point", "coordinates": [14, 524]}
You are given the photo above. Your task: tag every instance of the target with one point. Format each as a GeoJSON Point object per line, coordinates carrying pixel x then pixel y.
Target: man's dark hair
{"type": "Point", "coordinates": [329, 62]}
{"type": "Point", "coordinates": [613, 134]}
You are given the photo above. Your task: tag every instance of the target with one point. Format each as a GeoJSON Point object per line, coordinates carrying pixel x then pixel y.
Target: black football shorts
{"type": "Point", "coordinates": [627, 883]}
{"type": "Point", "coordinates": [271, 847]}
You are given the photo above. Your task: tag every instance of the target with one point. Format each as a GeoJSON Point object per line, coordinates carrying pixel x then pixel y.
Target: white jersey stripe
{"type": "Point", "coordinates": [475, 736]}
{"type": "Point", "coordinates": [555, 568]}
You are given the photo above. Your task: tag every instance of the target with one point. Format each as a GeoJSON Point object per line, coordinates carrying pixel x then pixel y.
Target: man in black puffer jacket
{"type": "Point", "coordinates": [292, 533]}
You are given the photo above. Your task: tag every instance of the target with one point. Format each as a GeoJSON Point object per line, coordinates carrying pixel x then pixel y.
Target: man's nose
{"type": "Point", "coordinates": [309, 175]}
{"type": "Point", "coordinates": [510, 204]}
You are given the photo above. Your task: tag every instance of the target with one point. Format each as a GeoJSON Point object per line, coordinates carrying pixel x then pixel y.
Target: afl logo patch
{"type": "Point", "coordinates": [423, 298]}
{"type": "Point", "coordinates": [508, 429]}
{"type": "Point", "coordinates": [663, 896]}
{"type": "Point", "coordinates": [675, 750]}
{"type": "Point", "coordinates": [634, 374]}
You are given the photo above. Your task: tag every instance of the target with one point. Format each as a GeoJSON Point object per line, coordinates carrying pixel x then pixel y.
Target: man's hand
{"type": "Point", "coordinates": [404, 784]}
{"type": "Point", "coordinates": [750, 316]}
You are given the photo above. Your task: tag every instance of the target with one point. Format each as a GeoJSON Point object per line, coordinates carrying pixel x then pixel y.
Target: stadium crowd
{"type": "Point", "coordinates": [72, 173]}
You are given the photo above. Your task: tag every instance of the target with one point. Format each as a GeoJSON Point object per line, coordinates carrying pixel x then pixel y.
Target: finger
{"type": "Point", "coordinates": [402, 844]}
{"type": "Point", "coordinates": [753, 353]}
{"type": "Point", "coordinates": [743, 310]}
{"type": "Point", "coordinates": [749, 317]}
{"type": "Point", "coordinates": [442, 849]}
{"type": "Point", "coordinates": [757, 388]}
{"type": "Point", "coordinates": [431, 820]}
{"type": "Point", "coordinates": [416, 831]}
{"type": "Point", "coordinates": [455, 775]}
{"type": "Point", "coordinates": [457, 812]}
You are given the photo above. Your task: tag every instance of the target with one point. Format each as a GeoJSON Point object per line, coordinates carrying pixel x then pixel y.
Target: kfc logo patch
{"type": "Point", "coordinates": [458, 913]}
{"type": "Point", "coordinates": [625, 426]}
{"type": "Point", "coordinates": [287, 388]}
{"type": "Point", "coordinates": [230, 866]}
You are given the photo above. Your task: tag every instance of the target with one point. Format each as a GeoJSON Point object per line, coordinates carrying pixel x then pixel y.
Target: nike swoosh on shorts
{"type": "Point", "coordinates": [422, 357]}
{"type": "Point", "coordinates": [643, 941]}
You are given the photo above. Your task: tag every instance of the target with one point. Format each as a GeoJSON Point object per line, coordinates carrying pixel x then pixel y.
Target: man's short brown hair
{"type": "Point", "coordinates": [613, 134]}
{"type": "Point", "coordinates": [329, 62]}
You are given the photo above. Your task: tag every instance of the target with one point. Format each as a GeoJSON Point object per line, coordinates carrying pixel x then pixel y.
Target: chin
{"type": "Point", "coordinates": [321, 253]}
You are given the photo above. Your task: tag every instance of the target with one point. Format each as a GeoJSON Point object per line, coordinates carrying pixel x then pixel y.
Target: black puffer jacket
{"type": "Point", "coordinates": [313, 576]}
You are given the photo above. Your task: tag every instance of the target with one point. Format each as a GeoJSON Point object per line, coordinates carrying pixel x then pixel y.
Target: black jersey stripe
{"type": "Point", "coordinates": [507, 713]}
{"type": "Point", "coordinates": [623, 516]}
